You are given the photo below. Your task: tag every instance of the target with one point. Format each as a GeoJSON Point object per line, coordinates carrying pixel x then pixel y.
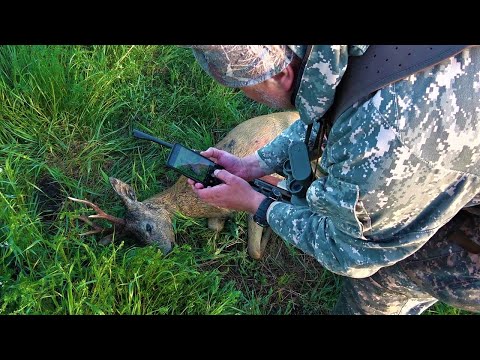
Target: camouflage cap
{"type": "Point", "coordinates": [242, 65]}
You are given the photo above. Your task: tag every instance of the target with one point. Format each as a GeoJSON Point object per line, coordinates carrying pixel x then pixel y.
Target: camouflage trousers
{"type": "Point", "coordinates": [446, 268]}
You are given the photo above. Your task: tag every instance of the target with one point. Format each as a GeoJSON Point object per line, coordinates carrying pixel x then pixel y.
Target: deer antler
{"type": "Point", "coordinates": [99, 215]}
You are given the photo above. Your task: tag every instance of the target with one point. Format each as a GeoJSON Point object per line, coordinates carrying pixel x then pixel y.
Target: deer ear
{"type": "Point", "coordinates": [123, 190]}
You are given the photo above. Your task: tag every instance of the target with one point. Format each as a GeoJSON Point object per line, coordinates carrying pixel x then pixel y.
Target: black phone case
{"type": "Point", "coordinates": [210, 179]}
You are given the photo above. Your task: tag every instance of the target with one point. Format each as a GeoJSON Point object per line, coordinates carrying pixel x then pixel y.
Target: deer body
{"type": "Point", "coordinates": [150, 220]}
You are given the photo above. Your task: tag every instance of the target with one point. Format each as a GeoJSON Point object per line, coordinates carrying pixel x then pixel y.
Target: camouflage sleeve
{"type": "Point", "coordinates": [337, 227]}
{"type": "Point", "coordinates": [332, 232]}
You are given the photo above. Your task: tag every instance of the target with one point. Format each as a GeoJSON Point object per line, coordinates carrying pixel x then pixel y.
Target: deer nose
{"type": "Point", "coordinates": [167, 247]}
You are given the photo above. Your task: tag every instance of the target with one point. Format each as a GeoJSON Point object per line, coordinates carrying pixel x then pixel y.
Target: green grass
{"type": "Point", "coordinates": [67, 113]}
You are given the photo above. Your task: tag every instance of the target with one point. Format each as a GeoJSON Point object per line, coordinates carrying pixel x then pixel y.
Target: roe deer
{"type": "Point", "coordinates": [150, 221]}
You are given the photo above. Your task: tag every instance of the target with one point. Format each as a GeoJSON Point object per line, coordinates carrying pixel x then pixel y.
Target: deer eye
{"type": "Point", "coordinates": [149, 229]}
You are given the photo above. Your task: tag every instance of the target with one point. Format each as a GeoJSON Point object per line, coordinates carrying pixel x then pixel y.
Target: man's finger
{"type": "Point", "coordinates": [224, 175]}
{"type": "Point", "coordinates": [210, 152]}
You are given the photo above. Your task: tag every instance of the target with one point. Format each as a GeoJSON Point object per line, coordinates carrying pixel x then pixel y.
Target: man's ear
{"type": "Point", "coordinates": [286, 78]}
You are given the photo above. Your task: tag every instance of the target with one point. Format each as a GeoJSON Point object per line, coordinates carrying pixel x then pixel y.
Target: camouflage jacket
{"type": "Point", "coordinates": [400, 164]}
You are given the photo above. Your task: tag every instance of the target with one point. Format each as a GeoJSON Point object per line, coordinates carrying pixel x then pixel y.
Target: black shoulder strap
{"type": "Point", "coordinates": [382, 65]}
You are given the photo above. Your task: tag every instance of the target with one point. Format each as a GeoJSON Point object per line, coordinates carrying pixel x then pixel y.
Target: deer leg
{"type": "Point", "coordinates": [216, 224]}
{"type": "Point", "coordinates": [267, 234]}
{"type": "Point", "coordinates": [257, 239]}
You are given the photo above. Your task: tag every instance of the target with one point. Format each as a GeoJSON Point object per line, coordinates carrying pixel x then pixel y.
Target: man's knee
{"type": "Point", "coordinates": [448, 266]}
{"type": "Point", "coordinates": [380, 294]}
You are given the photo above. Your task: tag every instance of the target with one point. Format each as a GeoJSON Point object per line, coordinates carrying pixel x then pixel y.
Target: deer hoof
{"type": "Point", "coordinates": [257, 239]}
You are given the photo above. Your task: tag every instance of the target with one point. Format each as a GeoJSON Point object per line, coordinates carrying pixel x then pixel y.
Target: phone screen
{"type": "Point", "coordinates": [190, 163]}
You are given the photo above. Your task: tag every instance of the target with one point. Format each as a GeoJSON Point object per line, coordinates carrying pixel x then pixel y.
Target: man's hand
{"type": "Point", "coordinates": [235, 193]}
{"type": "Point", "coordinates": [247, 168]}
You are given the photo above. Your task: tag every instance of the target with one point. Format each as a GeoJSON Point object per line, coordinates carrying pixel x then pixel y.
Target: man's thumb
{"type": "Point", "coordinates": [223, 175]}
{"type": "Point", "coordinates": [209, 152]}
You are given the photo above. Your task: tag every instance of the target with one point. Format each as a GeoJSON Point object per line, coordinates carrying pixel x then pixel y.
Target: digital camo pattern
{"type": "Point", "coordinates": [400, 164]}
{"type": "Point", "coordinates": [440, 270]}
{"type": "Point", "coordinates": [242, 65]}
{"type": "Point", "coordinates": [323, 72]}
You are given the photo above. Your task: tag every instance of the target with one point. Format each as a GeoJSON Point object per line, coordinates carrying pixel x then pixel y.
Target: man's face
{"type": "Point", "coordinates": [269, 93]}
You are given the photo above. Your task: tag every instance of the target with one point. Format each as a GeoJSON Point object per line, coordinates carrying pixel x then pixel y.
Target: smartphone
{"type": "Point", "coordinates": [193, 165]}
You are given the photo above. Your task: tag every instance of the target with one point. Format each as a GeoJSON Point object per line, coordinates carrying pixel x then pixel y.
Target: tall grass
{"type": "Point", "coordinates": [66, 114]}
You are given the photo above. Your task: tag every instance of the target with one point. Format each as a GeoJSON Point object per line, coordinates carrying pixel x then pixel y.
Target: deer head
{"type": "Point", "coordinates": [147, 223]}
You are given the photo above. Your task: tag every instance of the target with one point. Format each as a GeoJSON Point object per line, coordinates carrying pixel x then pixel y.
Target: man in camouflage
{"type": "Point", "coordinates": [400, 165]}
